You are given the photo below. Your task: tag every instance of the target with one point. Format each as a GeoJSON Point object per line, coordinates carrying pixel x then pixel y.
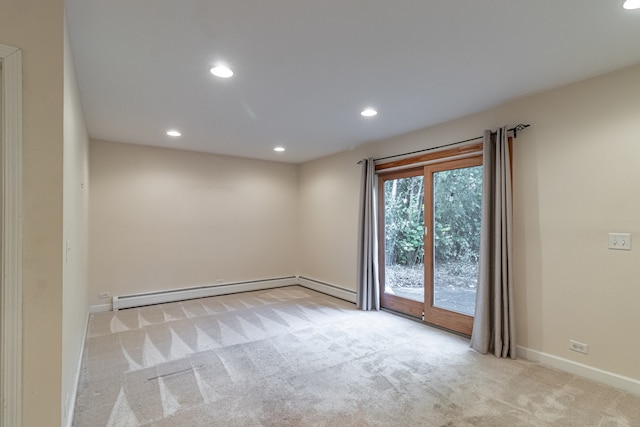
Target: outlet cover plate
{"type": "Point", "coordinates": [579, 347]}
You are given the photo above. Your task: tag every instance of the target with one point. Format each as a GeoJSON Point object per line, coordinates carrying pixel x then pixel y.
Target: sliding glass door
{"type": "Point", "coordinates": [430, 235]}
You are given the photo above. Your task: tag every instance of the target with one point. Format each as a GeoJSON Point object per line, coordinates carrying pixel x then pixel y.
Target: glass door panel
{"type": "Point", "coordinates": [454, 197]}
{"type": "Point", "coordinates": [401, 201]}
{"type": "Point", "coordinates": [457, 213]}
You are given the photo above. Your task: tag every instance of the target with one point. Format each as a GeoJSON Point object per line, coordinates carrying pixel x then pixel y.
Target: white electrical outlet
{"type": "Point", "coordinates": [104, 295]}
{"type": "Point", "coordinates": [579, 347]}
{"type": "Point", "coordinates": [621, 241]}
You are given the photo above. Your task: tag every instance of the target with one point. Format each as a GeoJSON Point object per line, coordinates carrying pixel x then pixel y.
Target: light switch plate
{"type": "Point", "coordinates": [621, 241]}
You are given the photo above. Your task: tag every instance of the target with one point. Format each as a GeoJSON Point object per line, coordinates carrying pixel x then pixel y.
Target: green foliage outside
{"type": "Point", "coordinates": [457, 217]}
{"type": "Point", "coordinates": [457, 214]}
{"type": "Point", "coordinates": [404, 219]}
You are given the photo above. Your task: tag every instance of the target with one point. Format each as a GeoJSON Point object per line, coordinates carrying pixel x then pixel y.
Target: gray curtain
{"type": "Point", "coordinates": [368, 293]}
{"type": "Point", "coordinates": [494, 326]}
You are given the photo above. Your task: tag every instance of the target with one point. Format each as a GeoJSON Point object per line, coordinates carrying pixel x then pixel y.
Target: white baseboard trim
{"type": "Point", "coordinates": [327, 288]}
{"type": "Point", "coordinates": [137, 300]}
{"type": "Point", "coordinates": [611, 379]}
{"type": "Point", "coordinates": [173, 295]}
{"type": "Point", "coordinates": [74, 392]}
{"type": "Point", "coordinates": [100, 308]}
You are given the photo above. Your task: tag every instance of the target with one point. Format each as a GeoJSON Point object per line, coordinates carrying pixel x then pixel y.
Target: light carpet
{"type": "Point", "coordinates": [295, 357]}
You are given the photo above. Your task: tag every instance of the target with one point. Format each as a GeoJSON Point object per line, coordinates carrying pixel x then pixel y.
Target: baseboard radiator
{"type": "Point", "coordinates": [327, 288]}
{"type": "Point", "coordinates": [138, 300]}
{"type": "Point", "coordinates": [162, 297]}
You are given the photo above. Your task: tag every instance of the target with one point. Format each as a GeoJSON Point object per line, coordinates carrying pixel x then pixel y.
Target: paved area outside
{"type": "Point", "coordinates": [461, 300]}
{"type": "Point", "coordinates": [452, 292]}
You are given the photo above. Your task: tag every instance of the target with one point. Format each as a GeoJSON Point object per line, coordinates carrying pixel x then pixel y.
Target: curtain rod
{"type": "Point", "coordinates": [514, 129]}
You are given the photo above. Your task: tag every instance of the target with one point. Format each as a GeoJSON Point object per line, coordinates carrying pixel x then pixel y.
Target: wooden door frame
{"type": "Point", "coordinates": [402, 305]}
{"type": "Point", "coordinates": [404, 168]}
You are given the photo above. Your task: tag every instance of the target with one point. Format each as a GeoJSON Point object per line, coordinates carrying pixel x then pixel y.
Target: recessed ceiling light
{"type": "Point", "coordinates": [279, 149]}
{"type": "Point", "coordinates": [368, 112]}
{"type": "Point", "coordinates": [173, 132]}
{"type": "Point", "coordinates": [222, 71]}
{"type": "Point", "coordinates": [631, 4]}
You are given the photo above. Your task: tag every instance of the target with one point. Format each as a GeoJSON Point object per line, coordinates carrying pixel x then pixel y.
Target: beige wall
{"type": "Point", "coordinates": [166, 219]}
{"type": "Point", "coordinates": [577, 177]}
{"type": "Point", "coordinates": [328, 205]}
{"type": "Point", "coordinates": [75, 233]}
{"type": "Point", "coordinates": [37, 28]}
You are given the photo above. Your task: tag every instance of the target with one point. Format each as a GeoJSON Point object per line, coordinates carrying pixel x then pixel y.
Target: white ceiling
{"type": "Point", "coordinates": [305, 69]}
